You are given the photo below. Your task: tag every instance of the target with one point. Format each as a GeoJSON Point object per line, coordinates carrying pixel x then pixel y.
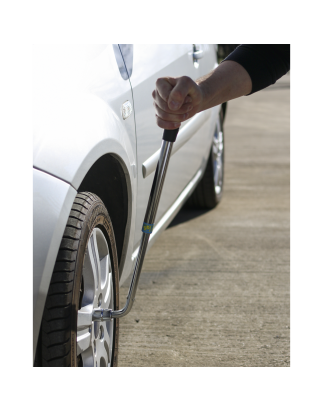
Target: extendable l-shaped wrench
{"type": "Point", "coordinates": [169, 138]}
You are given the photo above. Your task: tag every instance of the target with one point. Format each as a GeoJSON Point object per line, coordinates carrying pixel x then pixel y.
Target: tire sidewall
{"type": "Point", "coordinates": [96, 217]}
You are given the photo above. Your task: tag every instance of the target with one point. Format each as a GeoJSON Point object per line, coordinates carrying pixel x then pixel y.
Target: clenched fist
{"type": "Point", "coordinates": [176, 100]}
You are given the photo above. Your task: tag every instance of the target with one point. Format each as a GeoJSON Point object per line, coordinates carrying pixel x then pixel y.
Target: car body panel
{"type": "Point", "coordinates": [78, 118]}
{"type": "Point", "coordinates": [72, 144]}
{"type": "Point", "coordinates": [149, 63]}
{"type": "Point", "coordinates": [52, 203]}
{"type": "Point", "coordinates": [77, 111]}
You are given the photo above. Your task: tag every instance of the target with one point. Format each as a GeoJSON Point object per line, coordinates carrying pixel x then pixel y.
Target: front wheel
{"type": "Point", "coordinates": [208, 192]}
{"type": "Point", "coordinates": [85, 277]}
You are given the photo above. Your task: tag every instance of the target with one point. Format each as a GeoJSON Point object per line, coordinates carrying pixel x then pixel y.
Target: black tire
{"type": "Point", "coordinates": [64, 299]}
{"type": "Point", "coordinates": [206, 195]}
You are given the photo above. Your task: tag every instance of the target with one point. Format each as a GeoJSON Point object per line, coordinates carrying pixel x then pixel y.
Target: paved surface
{"type": "Point", "coordinates": [214, 291]}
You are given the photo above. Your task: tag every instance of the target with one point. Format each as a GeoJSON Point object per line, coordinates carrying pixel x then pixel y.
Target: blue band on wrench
{"type": "Point", "coordinates": [147, 228]}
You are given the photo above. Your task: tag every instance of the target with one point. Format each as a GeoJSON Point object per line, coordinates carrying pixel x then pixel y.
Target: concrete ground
{"type": "Point", "coordinates": [214, 291]}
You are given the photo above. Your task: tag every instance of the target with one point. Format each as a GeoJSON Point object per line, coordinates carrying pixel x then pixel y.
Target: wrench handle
{"type": "Point", "coordinates": [169, 138]}
{"type": "Point", "coordinates": [170, 135]}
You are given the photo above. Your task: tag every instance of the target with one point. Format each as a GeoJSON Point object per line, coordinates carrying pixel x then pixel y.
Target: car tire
{"type": "Point", "coordinates": [208, 192]}
{"type": "Point", "coordinates": [85, 277]}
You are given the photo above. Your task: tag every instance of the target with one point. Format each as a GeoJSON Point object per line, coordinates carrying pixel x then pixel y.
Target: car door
{"type": "Point", "coordinates": [149, 63]}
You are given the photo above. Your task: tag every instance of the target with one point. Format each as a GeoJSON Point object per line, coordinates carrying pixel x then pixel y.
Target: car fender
{"type": "Point", "coordinates": [52, 203]}
{"type": "Point", "coordinates": [74, 131]}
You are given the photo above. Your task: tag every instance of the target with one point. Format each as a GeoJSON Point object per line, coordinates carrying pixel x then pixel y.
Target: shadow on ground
{"type": "Point", "coordinates": [186, 214]}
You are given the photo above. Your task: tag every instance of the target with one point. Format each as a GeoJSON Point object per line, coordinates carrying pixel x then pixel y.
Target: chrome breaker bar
{"type": "Point", "coordinates": [169, 138]}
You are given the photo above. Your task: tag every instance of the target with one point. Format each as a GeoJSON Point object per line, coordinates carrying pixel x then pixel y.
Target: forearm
{"type": "Point", "coordinates": [249, 68]}
{"type": "Point", "coordinates": [227, 82]}
{"type": "Point", "coordinates": [178, 99]}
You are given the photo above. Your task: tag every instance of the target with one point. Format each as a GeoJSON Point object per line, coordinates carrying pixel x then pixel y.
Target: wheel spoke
{"type": "Point", "coordinates": [109, 336]}
{"type": "Point", "coordinates": [84, 317]}
{"type": "Point", "coordinates": [220, 136]}
{"type": "Point", "coordinates": [83, 341]}
{"type": "Point", "coordinates": [94, 259]}
{"type": "Point", "coordinates": [108, 291]}
{"type": "Point", "coordinates": [102, 356]}
{"type": "Point", "coordinates": [105, 269]}
{"type": "Point", "coordinates": [216, 177]}
{"type": "Point", "coordinates": [108, 348]}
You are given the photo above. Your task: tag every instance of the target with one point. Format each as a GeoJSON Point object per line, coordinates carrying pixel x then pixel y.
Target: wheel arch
{"type": "Point", "coordinates": [109, 179]}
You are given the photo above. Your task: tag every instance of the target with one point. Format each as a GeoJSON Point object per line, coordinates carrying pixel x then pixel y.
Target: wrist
{"type": "Point", "coordinates": [227, 82]}
{"type": "Point", "coordinates": [210, 95]}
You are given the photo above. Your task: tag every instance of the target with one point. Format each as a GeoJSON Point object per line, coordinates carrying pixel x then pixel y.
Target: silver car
{"type": "Point", "coordinates": [96, 147]}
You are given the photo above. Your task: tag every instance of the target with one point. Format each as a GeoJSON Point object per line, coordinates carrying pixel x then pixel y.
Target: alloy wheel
{"type": "Point", "coordinates": [218, 157]}
{"type": "Point", "coordinates": [95, 339]}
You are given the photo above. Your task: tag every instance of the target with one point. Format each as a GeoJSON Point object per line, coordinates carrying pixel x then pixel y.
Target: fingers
{"type": "Point", "coordinates": [167, 118]}
{"type": "Point", "coordinates": [164, 88]}
{"type": "Point", "coordinates": [166, 125]}
{"type": "Point", "coordinates": [183, 87]}
{"type": "Point", "coordinates": [162, 104]}
{"type": "Point", "coordinates": [175, 116]}
{"type": "Point", "coordinates": [174, 90]}
{"type": "Point", "coordinates": [175, 101]}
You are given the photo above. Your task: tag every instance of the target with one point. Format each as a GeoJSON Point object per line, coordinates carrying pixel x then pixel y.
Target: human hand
{"type": "Point", "coordinates": [176, 100]}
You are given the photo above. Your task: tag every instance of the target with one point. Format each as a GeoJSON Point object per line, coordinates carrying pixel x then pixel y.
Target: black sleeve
{"type": "Point", "coordinates": [265, 63]}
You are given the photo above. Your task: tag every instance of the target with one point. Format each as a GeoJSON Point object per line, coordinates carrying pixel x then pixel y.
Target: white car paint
{"type": "Point", "coordinates": [150, 63]}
